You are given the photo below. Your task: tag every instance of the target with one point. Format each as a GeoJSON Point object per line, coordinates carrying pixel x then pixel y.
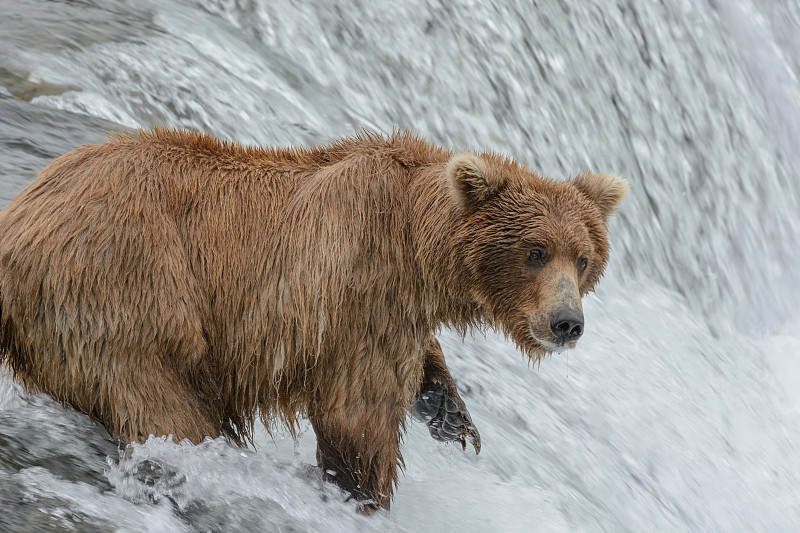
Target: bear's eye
{"type": "Point", "coordinates": [582, 264]}
{"type": "Point", "coordinates": [537, 257]}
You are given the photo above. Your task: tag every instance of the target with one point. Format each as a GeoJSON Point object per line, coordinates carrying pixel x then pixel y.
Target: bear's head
{"type": "Point", "coordinates": [531, 246]}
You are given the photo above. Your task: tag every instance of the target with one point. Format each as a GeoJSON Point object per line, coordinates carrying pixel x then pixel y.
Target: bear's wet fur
{"type": "Point", "coordinates": [169, 283]}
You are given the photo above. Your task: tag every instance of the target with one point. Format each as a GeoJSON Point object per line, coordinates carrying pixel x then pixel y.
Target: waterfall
{"type": "Point", "coordinates": [677, 412]}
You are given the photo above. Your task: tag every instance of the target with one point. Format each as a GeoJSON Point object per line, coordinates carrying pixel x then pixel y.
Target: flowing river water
{"type": "Point", "coordinates": [680, 409]}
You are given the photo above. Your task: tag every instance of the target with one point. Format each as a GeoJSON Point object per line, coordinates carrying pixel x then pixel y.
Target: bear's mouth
{"type": "Point", "coordinates": [554, 346]}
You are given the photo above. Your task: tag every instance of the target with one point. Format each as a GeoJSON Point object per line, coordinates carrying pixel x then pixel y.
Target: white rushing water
{"type": "Point", "coordinates": [679, 410]}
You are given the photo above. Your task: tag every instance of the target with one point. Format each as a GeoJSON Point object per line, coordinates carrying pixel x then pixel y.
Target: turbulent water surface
{"type": "Point", "coordinates": [680, 409]}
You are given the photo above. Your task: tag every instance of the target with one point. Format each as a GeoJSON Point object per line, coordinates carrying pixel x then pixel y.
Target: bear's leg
{"type": "Point", "coordinates": [359, 450]}
{"type": "Point", "coordinates": [159, 403]}
{"type": "Point", "coordinates": [438, 403]}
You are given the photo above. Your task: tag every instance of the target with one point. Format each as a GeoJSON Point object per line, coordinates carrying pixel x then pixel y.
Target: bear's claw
{"type": "Point", "coordinates": [446, 416]}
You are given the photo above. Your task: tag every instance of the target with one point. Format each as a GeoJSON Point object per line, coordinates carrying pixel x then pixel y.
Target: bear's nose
{"type": "Point", "coordinates": [567, 325]}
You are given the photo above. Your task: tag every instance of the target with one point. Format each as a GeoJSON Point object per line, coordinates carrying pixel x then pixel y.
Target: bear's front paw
{"type": "Point", "coordinates": [446, 415]}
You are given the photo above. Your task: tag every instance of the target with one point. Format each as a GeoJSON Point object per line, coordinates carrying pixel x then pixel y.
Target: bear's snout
{"type": "Point", "coordinates": [566, 325]}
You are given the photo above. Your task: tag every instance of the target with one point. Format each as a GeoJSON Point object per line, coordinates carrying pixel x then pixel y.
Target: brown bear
{"type": "Point", "coordinates": [168, 283]}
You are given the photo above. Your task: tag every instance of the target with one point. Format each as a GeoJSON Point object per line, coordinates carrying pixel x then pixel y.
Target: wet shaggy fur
{"type": "Point", "coordinates": [168, 283]}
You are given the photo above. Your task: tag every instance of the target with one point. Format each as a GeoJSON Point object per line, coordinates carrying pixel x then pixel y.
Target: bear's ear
{"type": "Point", "coordinates": [473, 179]}
{"type": "Point", "coordinates": [605, 190]}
